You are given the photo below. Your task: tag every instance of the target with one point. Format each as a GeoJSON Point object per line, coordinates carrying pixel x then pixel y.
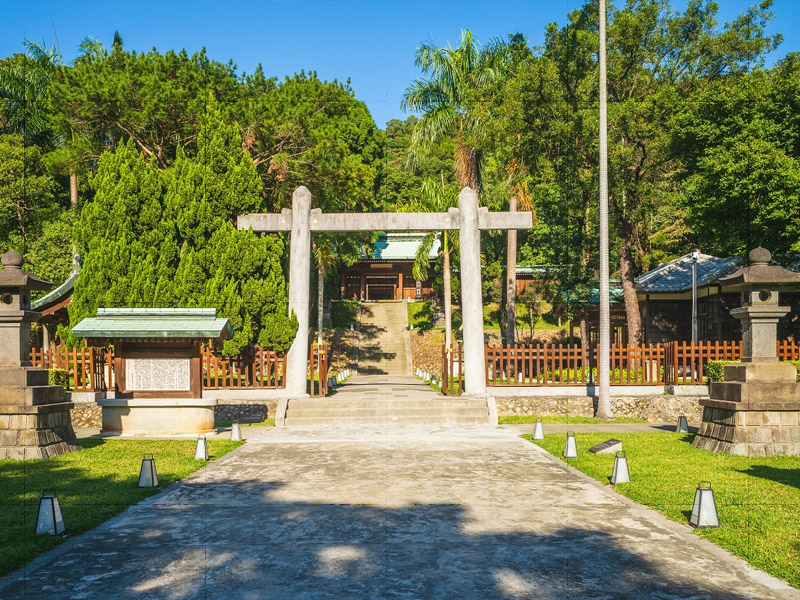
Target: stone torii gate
{"type": "Point", "coordinates": [468, 218]}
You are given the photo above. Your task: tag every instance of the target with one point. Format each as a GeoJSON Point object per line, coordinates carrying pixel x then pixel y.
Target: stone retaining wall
{"type": "Point", "coordinates": [245, 410]}
{"type": "Point", "coordinates": [89, 414]}
{"type": "Point", "coordinates": [86, 414]}
{"type": "Point", "coordinates": [655, 409]}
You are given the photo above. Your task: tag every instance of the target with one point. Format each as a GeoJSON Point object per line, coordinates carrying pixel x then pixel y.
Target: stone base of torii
{"type": "Point", "coordinates": [468, 219]}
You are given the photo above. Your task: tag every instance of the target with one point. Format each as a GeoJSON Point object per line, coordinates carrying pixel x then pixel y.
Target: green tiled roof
{"type": "Point", "coordinates": [400, 246]}
{"type": "Point", "coordinates": [122, 323]}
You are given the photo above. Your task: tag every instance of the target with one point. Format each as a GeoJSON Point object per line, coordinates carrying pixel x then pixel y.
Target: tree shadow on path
{"type": "Point", "coordinates": [238, 540]}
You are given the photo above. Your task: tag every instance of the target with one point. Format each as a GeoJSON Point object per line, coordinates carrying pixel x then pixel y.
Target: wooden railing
{"type": "Point", "coordinates": [88, 369]}
{"type": "Point", "coordinates": [259, 369]}
{"type": "Point", "coordinates": [318, 371]}
{"type": "Point", "coordinates": [673, 363]}
{"type": "Point", "coordinates": [685, 363]}
{"type": "Point", "coordinates": [556, 364]}
{"type": "Point", "coordinates": [452, 383]}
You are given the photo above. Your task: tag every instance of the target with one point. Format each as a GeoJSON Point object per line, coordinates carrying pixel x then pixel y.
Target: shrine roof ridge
{"type": "Point", "coordinates": [132, 323]}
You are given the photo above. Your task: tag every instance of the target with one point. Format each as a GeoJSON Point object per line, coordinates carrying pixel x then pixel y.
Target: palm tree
{"type": "Point", "coordinates": [456, 74]}
{"type": "Point", "coordinates": [436, 196]}
{"type": "Point", "coordinates": [326, 258]}
{"type": "Point", "coordinates": [32, 87]}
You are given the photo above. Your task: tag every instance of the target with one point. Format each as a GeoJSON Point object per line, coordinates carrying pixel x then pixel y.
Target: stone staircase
{"type": "Point", "coordinates": [389, 400]}
{"type": "Point", "coordinates": [383, 340]}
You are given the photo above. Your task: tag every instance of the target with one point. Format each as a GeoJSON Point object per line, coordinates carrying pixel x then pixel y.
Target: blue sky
{"type": "Point", "coordinates": [371, 42]}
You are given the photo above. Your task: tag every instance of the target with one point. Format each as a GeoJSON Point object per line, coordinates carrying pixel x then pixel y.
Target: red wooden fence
{"type": "Point", "coordinates": [318, 370]}
{"type": "Point", "coordinates": [259, 369]}
{"type": "Point", "coordinates": [556, 364]}
{"type": "Point", "coordinates": [88, 368]}
{"type": "Point", "coordinates": [452, 383]}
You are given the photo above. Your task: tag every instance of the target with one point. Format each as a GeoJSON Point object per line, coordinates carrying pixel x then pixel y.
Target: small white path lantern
{"type": "Point", "coordinates": [704, 510]}
{"type": "Point", "coordinates": [236, 432]}
{"type": "Point", "coordinates": [570, 447]}
{"type": "Point", "coordinates": [620, 474]}
{"type": "Point", "coordinates": [538, 430]}
{"type": "Point", "coordinates": [683, 425]}
{"type": "Point", "coordinates": [201, 449]}
{"type": "Point", "coordinates": [148, 476]}
{"type": "Point", "coordinates": [427, 376]}
{"type": "Point", "coordinates": [49, 520]}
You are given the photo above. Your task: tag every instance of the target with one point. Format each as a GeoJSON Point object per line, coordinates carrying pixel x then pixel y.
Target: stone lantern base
{"type": "Point", "coordinates": [34, 418]}
{"type": "Point", "coordinates": [754, 412]}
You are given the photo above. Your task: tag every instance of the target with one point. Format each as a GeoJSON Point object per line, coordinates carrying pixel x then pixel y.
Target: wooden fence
{"type": "Point", "coordinates": [452, 383]}
{"type": "Point", "coordinates": [672, 363]}
{"type": "Point", "coordinates": [318, 371]}
{"type": "Point", "coordinates": [91, 369]}
{"type": "Point", "coordinates": [556, 364]}
{"type": "Point", "coordinates": [259, 369]}
{"type": "Point", "coordinates": [88, 369]}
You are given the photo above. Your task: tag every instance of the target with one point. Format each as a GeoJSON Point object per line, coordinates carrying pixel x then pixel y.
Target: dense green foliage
{"type": "Point", "coordinates": [147, 244]}
{"type": "Point", "coordinates": [756, 496]}
{"type": "Point", "coordinates": [141, 161]}
{"type": "Point", "coordinates": [93, 485]}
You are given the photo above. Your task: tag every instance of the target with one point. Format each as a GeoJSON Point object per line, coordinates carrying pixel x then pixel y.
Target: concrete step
{"type": "Point", "coordinates": [387, 413]}
{"type": "Point", "coordinates": [393, 420]}
{"type": "Point", "coordinates": [398, 403]}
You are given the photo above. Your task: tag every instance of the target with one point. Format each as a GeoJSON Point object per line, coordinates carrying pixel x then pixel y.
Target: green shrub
{"type": "Point", "coordinates": [58, 377]}
{"type": "Point", "coordinates": [344, 313]}
{"type": "Point", "coordinates": [796, 363]}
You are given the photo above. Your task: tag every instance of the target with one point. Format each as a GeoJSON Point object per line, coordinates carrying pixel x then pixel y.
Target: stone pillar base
{"type": "Point", "coordinates": [39, 431]}
{"type": "Point", "coordinates": [750, 429]}
{"type": "Point", "coordinates": [155, 417]}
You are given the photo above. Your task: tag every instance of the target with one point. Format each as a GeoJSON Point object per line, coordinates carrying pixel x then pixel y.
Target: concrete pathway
{"type": "Point", "coordinates": [404, 512]}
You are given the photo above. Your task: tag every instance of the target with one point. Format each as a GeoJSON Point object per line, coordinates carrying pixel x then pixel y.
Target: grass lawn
{"type": "Point", "coordinates": [758, 498]}
{"type": "Point", "coordinates": [525, 419]}
{"type": "Point", "coordinates": [92, 485]}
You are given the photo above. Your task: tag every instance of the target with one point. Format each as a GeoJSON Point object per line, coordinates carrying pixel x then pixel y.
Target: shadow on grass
{"type": "Point", "coordinates": [92, 485]}
{"type": "Point", "coordinates": [789, 476]}
{"type": "Point", "coordinates": [238, 538]}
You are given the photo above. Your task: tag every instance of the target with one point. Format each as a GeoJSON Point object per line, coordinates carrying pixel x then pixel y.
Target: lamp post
{"type": "Point", "coordinates": [695, 256]}
{"type": "Point", "coordinates": [603, 359]}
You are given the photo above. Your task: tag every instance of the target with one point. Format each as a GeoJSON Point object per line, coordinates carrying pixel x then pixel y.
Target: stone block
{"type": "Point", "coordinates": [763, 435]}
{"type": "Point", "coordinates": [740, 418]}
{"type": "Point", "coordinates": [17, 422]}
{"type": "Point", "coordinates": [8, 438]}
{"type": "Point", "coordinates": [757, 450]}
{"type": "Point", "coordinates": [4, 420]}
{"type": "Point", "coordinates": [781, 435]}
{"type": "Point", "coordinates": [753, 417]}
{"type": "Point", "coordinates": [739, 449]}
{"type": "Point", "coordinates": [794, 435]}
{"type": "Point", "coordinates": [761, 371]}
{"type": "Point", "coordinates": [17, 453]}
{"type": "Point", "coordinates": [28, 437]}
{"type": "Point", "coordinates": [788, 418]}
{"type": "Point", "coordinates": [769, 417]}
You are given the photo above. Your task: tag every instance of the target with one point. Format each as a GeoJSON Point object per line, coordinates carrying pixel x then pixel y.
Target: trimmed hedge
{"type": "Point", "coordinates": [58, 377]}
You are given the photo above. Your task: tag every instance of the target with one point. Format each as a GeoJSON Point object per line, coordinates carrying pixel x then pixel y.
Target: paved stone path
{"type": "Point", "coordinates": [390, 513]}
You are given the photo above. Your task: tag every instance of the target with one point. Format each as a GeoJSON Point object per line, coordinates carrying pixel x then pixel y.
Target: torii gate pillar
{"type": "Point", "coordinates": [299, 285]}
{"type": "Point", "coordinates": [471, 297]}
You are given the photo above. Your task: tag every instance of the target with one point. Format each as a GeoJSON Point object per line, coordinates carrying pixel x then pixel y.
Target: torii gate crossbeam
{"type": "Point", "coordinates": [468, 218]}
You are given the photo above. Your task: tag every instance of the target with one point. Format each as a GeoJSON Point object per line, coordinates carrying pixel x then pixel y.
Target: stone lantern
{"type": "Point", "coordinates": [34, 417]}
{"type": "Point", "coordinates": [755, 410]}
